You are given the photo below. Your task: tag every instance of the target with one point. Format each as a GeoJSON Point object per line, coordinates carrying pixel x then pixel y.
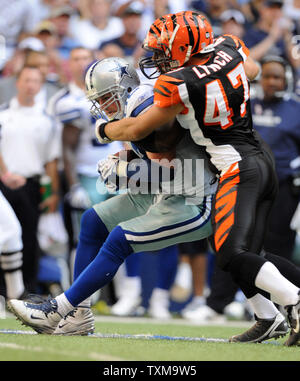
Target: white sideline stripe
{"type": "Point", "coordinates": [91, 355]}
{"type": "Point", "coordinates": [130, 336]}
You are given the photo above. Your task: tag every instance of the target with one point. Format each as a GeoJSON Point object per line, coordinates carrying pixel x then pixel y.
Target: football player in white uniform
{"type": "Point", "coordinates": [177, 208]}
{"type": "Point", "coordinates": [11, 245]}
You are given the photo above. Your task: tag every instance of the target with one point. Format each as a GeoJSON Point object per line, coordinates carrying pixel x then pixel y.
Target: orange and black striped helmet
{"type": "Point", "coordinates": [175, 38]}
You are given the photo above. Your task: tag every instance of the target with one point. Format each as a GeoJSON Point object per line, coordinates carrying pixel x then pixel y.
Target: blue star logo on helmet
{"type": "Point", "coordinates": [124, 71]}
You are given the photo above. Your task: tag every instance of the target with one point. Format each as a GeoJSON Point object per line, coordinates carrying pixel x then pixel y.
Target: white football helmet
{"type": "Point", "coordinates": [111, 79]}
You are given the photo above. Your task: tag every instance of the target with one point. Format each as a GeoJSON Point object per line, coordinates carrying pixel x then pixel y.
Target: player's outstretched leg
{"type": "Point", "coordinates": [93, 234]}
{"type": "Point", "coordinates": [45, 317]}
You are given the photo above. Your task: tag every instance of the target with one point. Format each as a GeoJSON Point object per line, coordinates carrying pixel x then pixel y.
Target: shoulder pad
{"type": "Point", "coordinates": [139, 100]}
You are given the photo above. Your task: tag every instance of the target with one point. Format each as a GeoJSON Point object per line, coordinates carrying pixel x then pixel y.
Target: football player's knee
{"type": "Point", "coordinates": [92, 227]}
{"type": "Point", "coordinates": [117, 246]}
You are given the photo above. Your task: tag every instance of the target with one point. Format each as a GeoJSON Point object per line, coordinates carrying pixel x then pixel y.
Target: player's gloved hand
{"type": "Point", "coordinates": [113, 172]}
{"type": "Point", "coordinates": [78, 197]}
{"type": "Point", "coordinates": [108, 167]}
{"type": "Point", "coordinates": [99, 131]}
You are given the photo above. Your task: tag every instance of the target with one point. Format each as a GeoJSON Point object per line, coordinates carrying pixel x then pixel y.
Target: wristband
{"type": "Point", "coordinates": [100, 132]}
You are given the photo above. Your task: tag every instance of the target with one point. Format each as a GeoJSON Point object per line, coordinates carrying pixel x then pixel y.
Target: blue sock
{"type": "Point", "coordinates": [132, 265]}
{"type": "Point", "coordinates": [102, 269]}
{"type": "Point", "coordinates": [93, 234]}
{"type": "Point", "coordinates": [167, 266]}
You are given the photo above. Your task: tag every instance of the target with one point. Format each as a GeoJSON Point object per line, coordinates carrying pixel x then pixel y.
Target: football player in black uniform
{"type": "Point", "coordinates": [204, 83]}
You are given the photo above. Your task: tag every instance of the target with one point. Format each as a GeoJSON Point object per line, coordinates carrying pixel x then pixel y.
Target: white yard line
{"type": "Point", "coordinates": [90, 355]}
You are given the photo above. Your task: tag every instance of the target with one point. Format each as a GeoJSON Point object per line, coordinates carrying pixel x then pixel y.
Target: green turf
{"type": "Point", "coordinates": [47, 348]}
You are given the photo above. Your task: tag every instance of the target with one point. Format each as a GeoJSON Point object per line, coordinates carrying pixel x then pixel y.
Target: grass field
{"type": "Point", "coordinates": [179, 341]}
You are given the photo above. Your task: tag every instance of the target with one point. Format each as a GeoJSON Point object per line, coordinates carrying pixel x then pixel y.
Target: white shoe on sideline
{"type": "Point", "coordinates": [159, 304]}
{"type": "Point", "coordinates": [126, 306]}
{"type": "Point", "coordinates": [129, 298]}
{"type": "Point", "coordinates": [203, 314]}
{"type": "Point", "coordinates": [195, 303]}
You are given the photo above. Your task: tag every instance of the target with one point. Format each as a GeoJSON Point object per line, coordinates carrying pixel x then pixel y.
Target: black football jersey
{"type": "Point", "coordinates": [216, 102]}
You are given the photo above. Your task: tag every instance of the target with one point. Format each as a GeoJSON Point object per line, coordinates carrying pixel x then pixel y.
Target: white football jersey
{"type": "Point", "coordinates": [193, 178]}
{"type": "Point", "coordinates": [70, 105]}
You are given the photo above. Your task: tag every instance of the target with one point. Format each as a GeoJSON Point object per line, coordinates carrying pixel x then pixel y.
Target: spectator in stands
{"type": "Point", "coordinates": [17, 19]}
{"type": "Point", "coordinates": [110, 50]}
{"type": "Point", "coordinates": [58, 70]}
{"type": "Point", "coordinates": [129, 40]}
{"type": "Point", "coordinates": [291, 9]}
{"type": "Point", "coordinates": [98, 27]}
{"type": "Point", "coordinates": [61, 19]}
{"type": "Point", "coordinates": [276, 118]}
{"type": "Point", "coordinates": [214, 10]}
{"type": "Point", "coordinates": [16, 62]}
{"type": "Point", "coordinates": [30, 147]}
{"type": "Point", "coordinates": [271, 34]}
{"type": "Point", "coordinates": [233, 22]}
{"type": "Point", "coordinates": [32, 58]}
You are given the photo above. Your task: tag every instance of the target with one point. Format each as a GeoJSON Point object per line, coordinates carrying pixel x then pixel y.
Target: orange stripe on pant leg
{"type": "Point", "coordinates": [227, 202]}
{"type": "Point", "coordinates": [226, 187]}
{"type": "Point", "coordinates": [224, 226]}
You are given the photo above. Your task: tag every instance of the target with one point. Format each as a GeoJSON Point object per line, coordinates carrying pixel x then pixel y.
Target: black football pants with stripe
{"type": "Point", "coordinates": [241, 210]}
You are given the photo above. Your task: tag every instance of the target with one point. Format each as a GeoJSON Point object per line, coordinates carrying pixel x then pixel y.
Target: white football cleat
{"type": "Point", "coordinates": [203, 314]}
{"type": "Point", "coordinates": [126, 306]}
{"type": "Point", "coordinates": [42, 317]}
{"type": "Point", "coordinates": [159, 304]}
{"type": "Point", "coordinates": [78, 322]}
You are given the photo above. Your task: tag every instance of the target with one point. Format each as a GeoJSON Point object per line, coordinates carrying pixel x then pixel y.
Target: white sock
{"type": "Point", "coordinates": [63, 305]}
{"type": "Point", "coordinates": [11, 263]}
{"type": "Point", "coordinates": [262, 307]}
{"type": "Point", "coordinates": [282, 291]}
{"type": "Point", "coordinates": [14, 284]}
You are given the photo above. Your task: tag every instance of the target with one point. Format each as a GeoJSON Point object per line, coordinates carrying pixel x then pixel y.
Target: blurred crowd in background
{"type": "Point", "coordinates": [61, 38]}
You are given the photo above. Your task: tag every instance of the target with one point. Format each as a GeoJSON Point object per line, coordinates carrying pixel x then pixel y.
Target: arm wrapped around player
{"type": "Point", "coordinates": [113, 170]}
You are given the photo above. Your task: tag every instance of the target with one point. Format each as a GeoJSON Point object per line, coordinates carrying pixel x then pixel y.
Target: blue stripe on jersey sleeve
{"type": "Point", "coordinates": [70, 115]}
{"type": "Point", "coordinates": [142, 106]}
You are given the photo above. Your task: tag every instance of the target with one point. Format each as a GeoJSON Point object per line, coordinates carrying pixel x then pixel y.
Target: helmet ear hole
{"type": "Point", "coordinates": [129, 90]}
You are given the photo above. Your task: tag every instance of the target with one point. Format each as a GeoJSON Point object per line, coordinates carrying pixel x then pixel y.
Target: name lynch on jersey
{"type": "Point", "coordinates": [221, 59]}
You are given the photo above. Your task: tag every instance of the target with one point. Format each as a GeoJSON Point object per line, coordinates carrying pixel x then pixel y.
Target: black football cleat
{"type": "Point", "coordinates": [263, 329]}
